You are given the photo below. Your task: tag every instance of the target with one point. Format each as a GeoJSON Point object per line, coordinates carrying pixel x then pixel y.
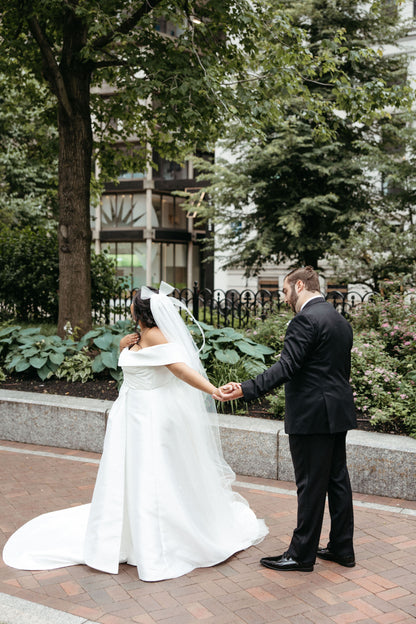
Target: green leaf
{"type": "Point", "coordinates": [231, 334]}
{"type": "Point", "coordinates": [8, 330]}
{"type": "Point", "coordinates": [109, 359]}
{"type": "Point", "coordinates": [264, 349]}
{"type": "Point", "coordinates": [15, 360]}
{"type": "Point", "coordinates": [65, 349]}
{"type": "Point", "coordinates": [44, 372]}
{"type": "Point", "coordinates": [228, 356]}
{"type": "Point", "coordinates": [117, 375]}
{"type": "Point", "coordinates": [254, 368]}
{"type": "Point", "coordinates": [38, 362]}
{"type": "Point", "coordinates": [104, 342]}
{"type": "Point", "coordinates": [253, 349]}
{"type": "Point", "coordinates": [97, 364]}
{"type": "Point", "coordinates": [30, 331]}
{"type": "Point", "coordinates": [212, 333]}
{"type": "Point", "coordinates": [91, 334]}
{"type": "Point", "coordinates": [228, 338]}
{"type": "Point", "coordinates": [57, 358]}
{"type": "Point", "coordinates": [30, 351]}
{"type": "Point", "coordinates": [22, 366]}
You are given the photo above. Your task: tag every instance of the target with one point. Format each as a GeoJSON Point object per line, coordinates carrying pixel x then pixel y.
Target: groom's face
{"type": "Point", "coordinates": [291, 295]}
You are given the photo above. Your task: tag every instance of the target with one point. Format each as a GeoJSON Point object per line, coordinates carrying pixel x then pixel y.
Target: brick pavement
{"type": "Point", "coordinates": [380, 589]}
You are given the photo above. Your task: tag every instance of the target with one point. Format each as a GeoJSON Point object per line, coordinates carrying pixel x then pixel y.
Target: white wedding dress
{"type": "Point", "coordinates": [162, 500]}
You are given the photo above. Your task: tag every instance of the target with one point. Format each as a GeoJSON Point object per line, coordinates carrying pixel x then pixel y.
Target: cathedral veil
{"type": "Point", "coordinates": [165, 311]}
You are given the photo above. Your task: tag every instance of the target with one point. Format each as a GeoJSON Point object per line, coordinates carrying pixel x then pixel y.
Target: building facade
{"type": "Point", "coordinates": [141, 223]}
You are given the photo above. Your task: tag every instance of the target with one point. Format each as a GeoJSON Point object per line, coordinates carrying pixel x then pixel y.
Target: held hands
{"type": "Point", "coordinates": [128, 341]}
{"type": "Point", "coordinates": [229, 392]}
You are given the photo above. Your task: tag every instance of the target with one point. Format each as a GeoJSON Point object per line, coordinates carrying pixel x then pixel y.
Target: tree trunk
{"type": "Point", "coordinates": [74, 230]}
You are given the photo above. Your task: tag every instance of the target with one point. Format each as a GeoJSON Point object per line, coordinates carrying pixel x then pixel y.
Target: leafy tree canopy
{"type": "Point", "coordinates": [286, 194]}
{"type": "Point", "coordinates": [28, 148]}
{"type": "Point", "coordinates": [382, 243]}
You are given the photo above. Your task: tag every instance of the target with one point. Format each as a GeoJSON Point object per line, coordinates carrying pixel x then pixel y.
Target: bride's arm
{"type": "Point", "coordinates": [191, 377]}
{"type": "Point", "coordinates": [128, 341]}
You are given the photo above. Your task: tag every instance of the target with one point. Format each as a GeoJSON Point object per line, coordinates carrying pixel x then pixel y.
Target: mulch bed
{"type": "Point", "coordinates": [106, 388]}
{"type": "Point", "coordinates": [101, 388]}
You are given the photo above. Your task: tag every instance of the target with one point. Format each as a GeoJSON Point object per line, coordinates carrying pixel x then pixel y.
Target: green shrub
{"type": "Point", "coordinates": [277, 403]}
{"type": "Point", "coordinates": [28, 348]}
{"type": "Point", "coordinates": [222, 373]}
{"type": "Point", "coordinates": [104, 344]}
{"type": "Point", "coordinates": [228, 346]}
{"type": "Point", "coordinates": [96, 352]}
{"type": "Point", "coordinates": [384, 360]}
{"type": "Point", "coordinates": [29, 275]}
{"type": "Point", "coordinates": [394, 320]}
{"type": "Point", "coordinates": [76, 367]}
{"type": "Point", "coordinates": [29, 272]}
{"type": "Point", "coordinates": [229, 355]}
{"type": "Point", "coordinates": [271, 331]}
{"type": "Point", "coordinates": [381, 393]}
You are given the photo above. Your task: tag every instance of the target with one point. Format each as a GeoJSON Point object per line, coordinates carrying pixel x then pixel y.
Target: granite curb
{"type": "Point", "coordinates": [379, 464]}
{"type": "Point", "coordinates": [15, 610]}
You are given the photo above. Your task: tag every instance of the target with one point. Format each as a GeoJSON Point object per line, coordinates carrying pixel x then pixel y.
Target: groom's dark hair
{"type": "Point", "coordinates": [307, 275]}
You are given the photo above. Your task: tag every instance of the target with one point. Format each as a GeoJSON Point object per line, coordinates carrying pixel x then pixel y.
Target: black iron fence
{"type": "Point", "coordinates": [225, 308]}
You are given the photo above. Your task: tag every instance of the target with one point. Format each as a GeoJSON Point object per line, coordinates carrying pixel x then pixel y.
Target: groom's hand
{"type": "Point", "coordinates": [229, 392]}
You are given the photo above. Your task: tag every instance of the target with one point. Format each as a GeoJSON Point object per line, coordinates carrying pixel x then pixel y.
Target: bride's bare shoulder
{"type": "Point", "coordinates": [154, 337]}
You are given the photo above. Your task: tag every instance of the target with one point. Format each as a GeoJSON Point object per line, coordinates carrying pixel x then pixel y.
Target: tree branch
{"type": "Point", "coordinates": [316, 82]}
{"type": "Point", "coordinates": [127, 25]}
{"type": "Point", "coordinates": [55, 76]}
{"type": "Point", "coordinates": [120, 63]}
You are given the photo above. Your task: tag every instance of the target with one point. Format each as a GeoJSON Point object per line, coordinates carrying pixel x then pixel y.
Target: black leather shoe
{"type": "Point", "coordinates": [285, 562]}
{"type": "Point", "coordinates": [328, 555]}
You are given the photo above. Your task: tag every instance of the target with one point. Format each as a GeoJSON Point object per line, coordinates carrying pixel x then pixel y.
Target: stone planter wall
{"type": "Point", "coordinates": [379, 464]}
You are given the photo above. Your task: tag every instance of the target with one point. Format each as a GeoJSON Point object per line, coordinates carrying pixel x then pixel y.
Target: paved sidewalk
{"type": "Point", "coordinates": [381, 588]}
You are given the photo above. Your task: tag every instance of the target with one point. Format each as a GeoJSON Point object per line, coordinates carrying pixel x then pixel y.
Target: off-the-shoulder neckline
{"type": "Point", "coordinates": [163, 344]}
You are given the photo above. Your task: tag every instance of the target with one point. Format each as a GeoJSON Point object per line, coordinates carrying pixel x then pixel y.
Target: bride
{"type": "Point", "coordinates": [162, 500]}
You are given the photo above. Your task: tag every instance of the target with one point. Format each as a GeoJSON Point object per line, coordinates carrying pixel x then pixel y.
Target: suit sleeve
{"type": "Point", "coordinates": [299, 339]}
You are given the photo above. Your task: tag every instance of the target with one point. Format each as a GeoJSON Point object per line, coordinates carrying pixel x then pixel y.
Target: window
{"type": "Point", "coordinates": [130, 259]}
{"type": "Point", "coordinates": [174, 264]}
{"type": "Point", "coordinates": [131, 176]}
{"type": "Point", "coordinates": [169, 211]}
{"type": "Point", "coordinates": [272, 285]}
{"type": "Point", "coordinates": [125, 211]}
{"type": "Point", "coordinates": [169, 263]}
{"type": "Point", "coordinates": [169, 170]}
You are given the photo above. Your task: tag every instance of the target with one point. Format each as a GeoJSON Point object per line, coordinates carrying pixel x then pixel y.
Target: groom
{"type": "Point", "coordinates": [315, 366]}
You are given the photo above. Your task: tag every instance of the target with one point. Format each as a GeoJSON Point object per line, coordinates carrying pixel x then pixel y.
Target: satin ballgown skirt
{"type": "Point", "coordinates": [162, 500]}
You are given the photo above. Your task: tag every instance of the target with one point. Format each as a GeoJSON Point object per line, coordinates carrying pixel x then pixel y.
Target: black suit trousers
{"type": "Point", "coordinates": [320, 467]}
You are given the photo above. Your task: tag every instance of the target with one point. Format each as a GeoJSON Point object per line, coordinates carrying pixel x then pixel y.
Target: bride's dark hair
{"type": "Point", "coordinates": [142, 311]}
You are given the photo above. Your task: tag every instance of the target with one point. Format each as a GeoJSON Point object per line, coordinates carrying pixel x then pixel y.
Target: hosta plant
{"type": "Point", "coordinates": [28, 348]}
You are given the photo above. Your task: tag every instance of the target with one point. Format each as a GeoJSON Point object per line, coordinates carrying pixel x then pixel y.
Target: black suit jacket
{"type": "Point", "coordinates": [315, 366]}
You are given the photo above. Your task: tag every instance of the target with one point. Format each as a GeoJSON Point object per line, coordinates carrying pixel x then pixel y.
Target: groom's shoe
{"type": "Point", "coordinates": [285, 562]}
{"type": "Point", "coordinates": [328, 555]}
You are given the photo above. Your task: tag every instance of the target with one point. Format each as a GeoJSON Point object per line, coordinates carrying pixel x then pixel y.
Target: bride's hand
{"type": "Point", "coordinates": [128, 341]}
{"type": "Point", "coordinates": [228, 392]}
